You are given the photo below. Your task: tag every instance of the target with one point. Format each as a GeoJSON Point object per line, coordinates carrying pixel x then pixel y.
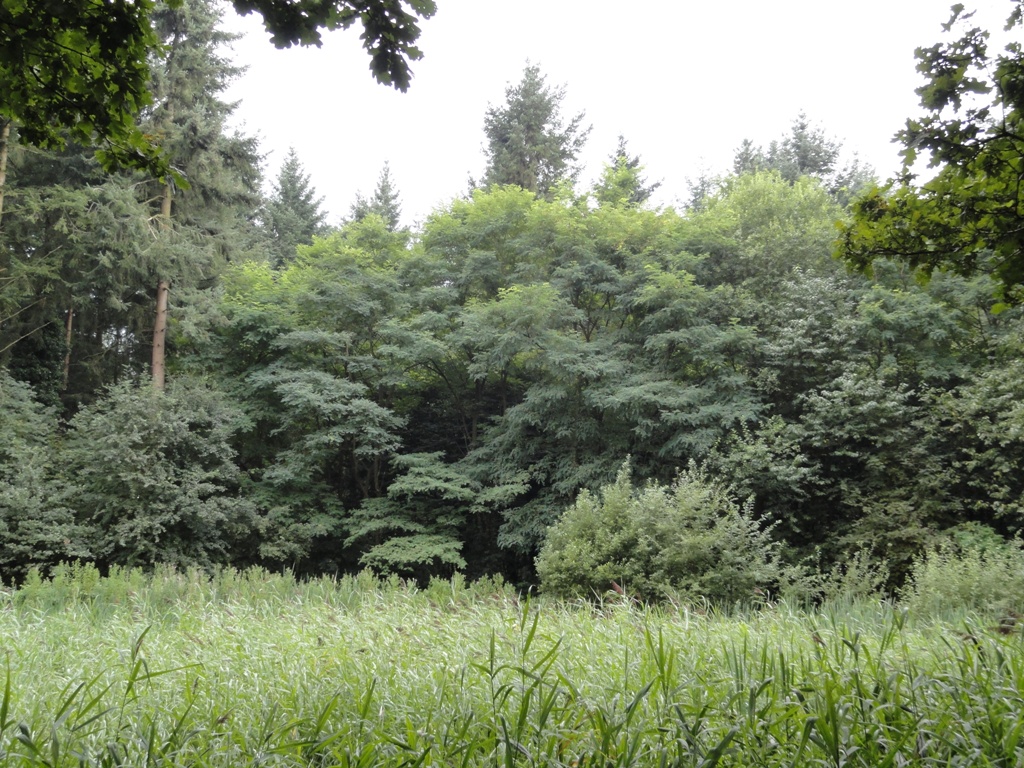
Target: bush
{"type": "Point", "coordinates": [689, 539]}
{"type": "Point", "coordinates": [152, 475]}
{"type": "Point", "coordinates": [35, 528]}
{"type": "Point", "coordinates": [973, 569]}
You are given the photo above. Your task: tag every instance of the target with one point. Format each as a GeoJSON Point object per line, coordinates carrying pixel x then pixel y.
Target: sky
{"type": "Point", "coordinates": [684, 81]}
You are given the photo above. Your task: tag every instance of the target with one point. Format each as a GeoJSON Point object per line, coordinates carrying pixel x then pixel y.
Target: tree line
{"type": "Point", "coordinates": [193, 374]}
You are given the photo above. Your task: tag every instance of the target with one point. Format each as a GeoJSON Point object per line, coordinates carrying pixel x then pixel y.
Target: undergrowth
{"type": "Point", "coordinates": [253, 669]}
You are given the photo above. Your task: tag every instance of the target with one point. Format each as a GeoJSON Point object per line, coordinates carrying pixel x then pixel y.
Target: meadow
{"type": "Point", "coordinates": [254, 669]}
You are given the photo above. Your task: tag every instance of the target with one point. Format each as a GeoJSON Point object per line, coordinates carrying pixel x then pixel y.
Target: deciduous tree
{"type": "Point", "coordinates": [967, 217]}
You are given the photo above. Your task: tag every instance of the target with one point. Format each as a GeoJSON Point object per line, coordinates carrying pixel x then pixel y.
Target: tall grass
{"type": "Point", "coordinates": [253, 669]}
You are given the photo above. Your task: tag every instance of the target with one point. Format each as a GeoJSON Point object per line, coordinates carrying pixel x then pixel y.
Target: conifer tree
{"type": "Point", "coordinates": [384, 202]}
{"type": "Point", "coordinates": [623, 180]}
{"type": "Point", "coordinates": [73, 304]}
{"type": "Point", "coordinates": [197, 225]}
{"type": "Point", "coordinates": [749, 158]}
{"type": "Point", "coordinates": [293, 215]}
{"type": "Point", "coordinates": [806, 151]}
{"type": "Point", "coordinates": [527, 142]}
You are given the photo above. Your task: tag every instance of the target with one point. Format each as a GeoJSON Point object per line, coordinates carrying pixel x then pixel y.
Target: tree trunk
{"type": "Point", "coordinates": [163, 288]}
{"type": "Point", "coordinates": [160, 334]}
{"type": "Point", "coordinates": [67, 348]}
{"type": "Point", "coordinates": [5, 140]}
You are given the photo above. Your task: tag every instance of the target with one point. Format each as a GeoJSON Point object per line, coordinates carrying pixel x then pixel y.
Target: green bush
{"type": "Point", "coordinates": [35, 528]}
{"type": "Point", "coordinates": [689, 539]}
{"type": "Point", "coordinates": [973, 569]}
{"type": "Point", "coordinates": [152, 476]}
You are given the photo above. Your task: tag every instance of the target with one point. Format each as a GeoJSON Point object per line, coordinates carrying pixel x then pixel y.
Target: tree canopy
{"type": "Point", "coordinates": [454, 395]}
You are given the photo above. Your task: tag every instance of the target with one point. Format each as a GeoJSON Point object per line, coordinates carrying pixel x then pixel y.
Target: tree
{"type": "Point", "coordinates": [759, 228]}
{"type": "Point", "coordinates": [35, 529]}
{"type": "Point", "coordinates": [79, 71]}
{"type": "Point", "coordinates": [152, 475]}
{"type": "Point", "coordinates": [304, 350]}
{"type": "Point", "coordinates": [622, 181]}
{"type": "Point", "coordinates": [806, 151]}
{"type": "Point", "coordinates": [82, 67]}
{"type": "Point", "coordinates": [749, 158]}
{"type": "Point", "coordinates": [292, 216]}
{"type": "Point", "coordinates": [197, 226]}
{"type": "Point", "coordinates": [967, 217]}
{"type": "Point", "coordinates": [527, 143]}
{"type": "Point", "coordinates": [75, 305]}
{"type": "Point", "coordinates": [384, 202]}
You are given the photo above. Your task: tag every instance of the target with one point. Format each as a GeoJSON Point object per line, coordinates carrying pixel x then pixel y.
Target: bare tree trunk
{"type": "Point", "coordinates": [163, 288]}
{"type": "Point", "coordinates": [67, 348]}
{"type": "Point", "coordinates": [5, 140]}
{"type": "Point", "coordinates": [4, 144]}
{"type": "Point", "coordinates": [160, 334]}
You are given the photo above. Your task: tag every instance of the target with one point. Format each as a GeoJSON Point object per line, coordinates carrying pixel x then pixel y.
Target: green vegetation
{"type": "Point", "coordinates": [245, 669]}
{"type": "Point", "coordinates": [773, 508]}
{"type": "Point", "coordinates": [81, 70]}
{"type": "Point", "coordinates": [209, 377]}
{"type": "Point", "coordinates": [690, 539]}
{"type": "Point", "coordinates": [966, 218]}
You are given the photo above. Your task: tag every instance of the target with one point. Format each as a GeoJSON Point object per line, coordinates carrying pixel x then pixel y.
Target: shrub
{"type": "Point", "coordinates": [974, 568]}
{"type": "Point", "coordinates": [690, 539]}
{"type": "Point", "coordinates": [35, 528]}
{"type": "Point", "coordinates": [152, 475]}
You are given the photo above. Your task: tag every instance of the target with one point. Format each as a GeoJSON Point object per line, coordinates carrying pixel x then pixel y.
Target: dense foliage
{"type": "Point", "coordinates": [432, 401]}
{"type": "Point", "coordinates": [688, 540]}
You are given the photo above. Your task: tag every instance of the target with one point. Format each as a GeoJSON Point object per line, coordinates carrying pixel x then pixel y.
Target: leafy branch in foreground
{"type": "Point", "coordinates": [80, 70]}
{"type": "Point", "coordinates": [968, 217]}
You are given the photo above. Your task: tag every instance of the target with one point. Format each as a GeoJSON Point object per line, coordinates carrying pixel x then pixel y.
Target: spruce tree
{"type": "Point", "coordinates": [749, 158]}
{"type": "Point", "coordinates": [806, 151]}
{"type": "Point", "coordinates": [384, 202]}
{"type": "Point", "coordinates": [73, 306]}
{"type": "Point", "coordinates": [199, 222]}
{"type": "Point", "coordinates": [292, 216]}
{"type": "Point", "coordinates": [623, 181]}
{"type": "Point", "coordinates": [527, 142]}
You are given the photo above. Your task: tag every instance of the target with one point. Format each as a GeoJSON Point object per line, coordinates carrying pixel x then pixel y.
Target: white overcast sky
{"type": "Point", "coordinates": [685, 81]}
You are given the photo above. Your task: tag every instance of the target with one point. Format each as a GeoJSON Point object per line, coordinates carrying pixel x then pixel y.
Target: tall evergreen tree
{"type": "Point", "coordinates": [293, 215]}
{"type": "Point", "coordinates": [806, 151]}
{"type": "Point", "coordinates": [384, 202]}
{"type": "Point", "coordinates": [527, 142]}
{"type": "Point", "coordinates": [198, 225]}
{"type": "Point", "coordinates": [73, 303]}
{"type": "Point", "coordinates": [749, 158]}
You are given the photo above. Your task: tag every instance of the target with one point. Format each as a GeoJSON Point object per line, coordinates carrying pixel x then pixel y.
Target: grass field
{"type": "Point", "coordinates": [258, 670]}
